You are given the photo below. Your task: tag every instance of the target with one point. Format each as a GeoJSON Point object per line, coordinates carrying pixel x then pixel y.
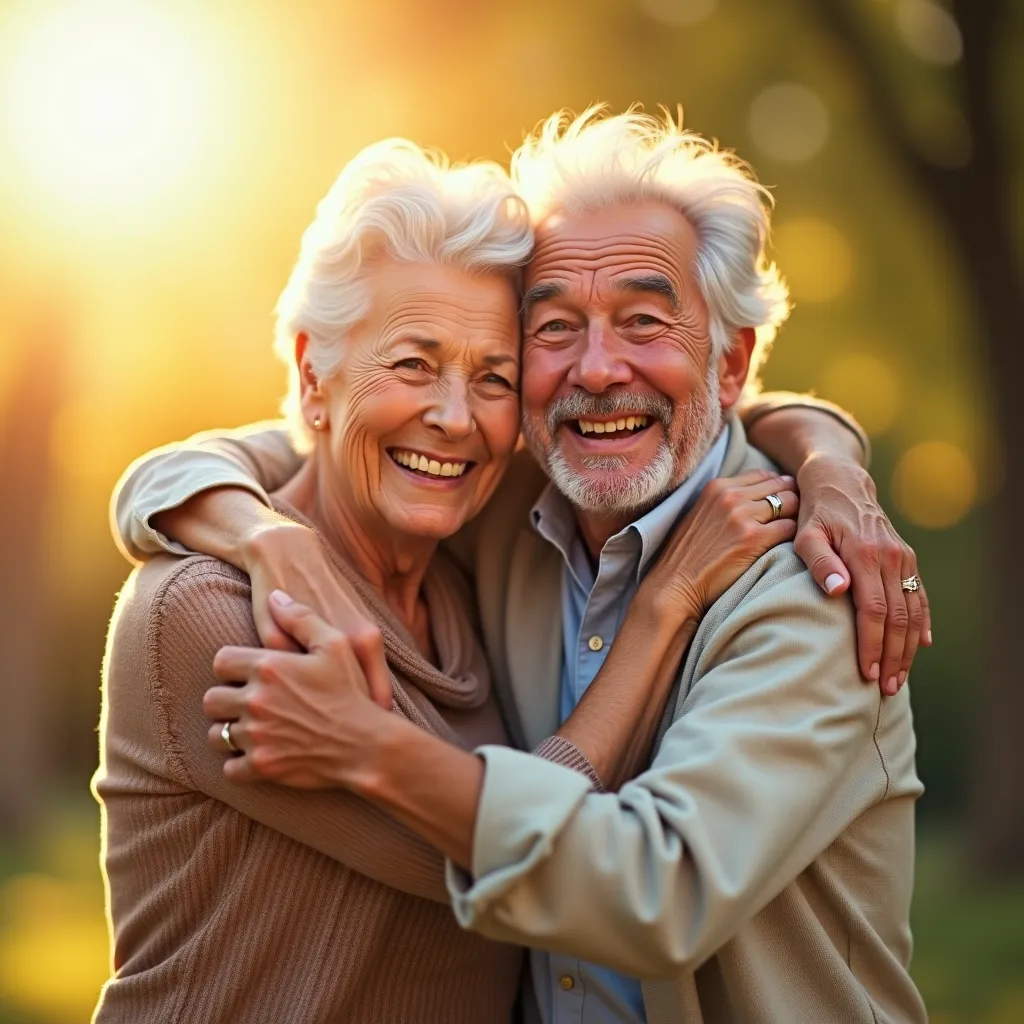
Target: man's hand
{"type": "Point", "coordinates": [846, 539]}
{"type": "Point", "coordinates": [300, 719]}
{"type": "Point", "coordinates": [286, 556]}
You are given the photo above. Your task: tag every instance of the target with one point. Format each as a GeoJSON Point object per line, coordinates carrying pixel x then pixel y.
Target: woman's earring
{"type": "Point", "coordinates": [316, 423]}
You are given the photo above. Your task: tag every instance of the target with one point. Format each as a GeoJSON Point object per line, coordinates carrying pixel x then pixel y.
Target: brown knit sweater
{"type": "Point", "coordinates": [257, 903]}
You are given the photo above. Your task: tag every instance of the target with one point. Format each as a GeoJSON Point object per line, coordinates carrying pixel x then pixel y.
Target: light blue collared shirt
{"type": "Point", "coordinates": [572, 991]}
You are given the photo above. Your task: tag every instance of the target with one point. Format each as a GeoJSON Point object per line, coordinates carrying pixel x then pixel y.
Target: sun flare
{"type": "Point", "coordinates": [104, 102]}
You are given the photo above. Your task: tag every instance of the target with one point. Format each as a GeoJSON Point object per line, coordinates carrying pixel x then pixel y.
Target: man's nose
{"type": "Point", "coordinates": [451, 413]}
{"type": "Point", "coordinates": [599, 363]}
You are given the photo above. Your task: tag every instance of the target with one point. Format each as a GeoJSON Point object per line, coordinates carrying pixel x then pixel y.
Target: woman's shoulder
{"type": "Point", "coordinates": [195, 602]}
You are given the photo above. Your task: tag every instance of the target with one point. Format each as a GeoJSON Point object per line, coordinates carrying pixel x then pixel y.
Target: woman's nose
{"type": "Point", "coordinates": [451, 413]}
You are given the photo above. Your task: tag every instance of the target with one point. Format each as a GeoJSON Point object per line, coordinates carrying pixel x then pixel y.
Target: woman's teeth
{"type": "Point", "coordinates": [432, 467]}
{"type": "Point", "coordinates": [609, 427]}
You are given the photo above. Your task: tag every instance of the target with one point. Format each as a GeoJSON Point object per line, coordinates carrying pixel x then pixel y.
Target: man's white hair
{"type": "Point", "coordinates": [398, 200]}
{"type": "Point", "coordinates": [597, 161]}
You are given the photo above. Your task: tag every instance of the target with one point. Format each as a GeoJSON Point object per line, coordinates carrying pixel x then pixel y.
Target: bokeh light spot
{"type": "Point", "coordinates": [866, 386]}
{"type": "Point", "coordinates": [929, 31]}
{"type": "Point", "coordinates": [815, 258]}
{"type": "Point", "coordinates": [104, 102]}
{"type": "Point", "coordinates": [678, 13]}
{"type": "Point", "coordinates": [788, 122]}
{"type": "Point", "coordinates": [935, 484]}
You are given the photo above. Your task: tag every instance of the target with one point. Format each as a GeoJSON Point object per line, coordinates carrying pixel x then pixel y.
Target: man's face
{"type": "Point", "coordinates": [620, 393]}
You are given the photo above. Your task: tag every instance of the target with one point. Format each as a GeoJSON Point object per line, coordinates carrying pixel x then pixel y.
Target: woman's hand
{"type": "Point", "coordinates": [729, 528]}
{"type": "Point", "coordinates": [844, 534]}
{"type": "Point", "coordinates": [286, 556]}
{"type": "Point", "coordinates": [300, 719]}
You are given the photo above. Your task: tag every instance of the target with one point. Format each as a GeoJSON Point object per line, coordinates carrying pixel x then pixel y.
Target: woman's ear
{"type": "Point", "coordinates": [312, 398]}
{"type": "Point", "coordinates": [733, 367]}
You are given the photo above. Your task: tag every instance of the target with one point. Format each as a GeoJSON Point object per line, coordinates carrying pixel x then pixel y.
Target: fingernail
{"type": "Point", "coordinates": [788, 480]}
{"type": "Point", "coordinates": [281, 598]}
{"type": "Point", "coordinates": [832, 581]}
{"type": "Point", "coordinates": [902, 678]}
{"type": "Point", "coordinates": [928, 637]}
{"type": "Point", "coordinates": [891, 687]}
{"type": "Point", "coordinates": [873, 672]}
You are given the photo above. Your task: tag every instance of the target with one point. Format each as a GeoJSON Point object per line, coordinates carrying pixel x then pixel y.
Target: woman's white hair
{"type": "Point", "coordinates": [398, 200]}
{"type": "Point", "coordinates": [596, 161]}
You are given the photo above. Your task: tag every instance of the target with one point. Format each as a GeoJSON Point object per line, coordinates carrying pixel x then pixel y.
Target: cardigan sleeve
{"type": "Point", "coordinates": [200, 607]}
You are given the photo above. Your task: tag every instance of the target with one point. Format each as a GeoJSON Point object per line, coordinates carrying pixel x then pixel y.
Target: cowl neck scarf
{"type": "Point", "coordinates": [462, 681]}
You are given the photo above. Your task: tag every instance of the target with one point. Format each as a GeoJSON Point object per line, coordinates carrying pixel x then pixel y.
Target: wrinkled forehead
{"type": "Point", "coordinates": [631, 238]}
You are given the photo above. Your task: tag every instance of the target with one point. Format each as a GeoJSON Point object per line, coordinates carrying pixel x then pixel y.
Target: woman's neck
{"type": "Point", "coordinates": [393, 564]}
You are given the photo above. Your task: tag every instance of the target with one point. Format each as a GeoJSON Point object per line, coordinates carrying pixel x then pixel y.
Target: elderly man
{"type": "Point", "coordinates": [760, 867]}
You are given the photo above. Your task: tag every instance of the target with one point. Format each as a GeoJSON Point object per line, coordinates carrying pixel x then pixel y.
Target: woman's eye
{"type": "Point", "coordinates": [410, 364]}
{"type": "Point", "coordinates": [496, 378]}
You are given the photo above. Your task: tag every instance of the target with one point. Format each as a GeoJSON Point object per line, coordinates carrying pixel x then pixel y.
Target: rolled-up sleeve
{"type": "Point", "coordinates": [771, 759]}
{"type": "Point", "coordinates": [258, 458]}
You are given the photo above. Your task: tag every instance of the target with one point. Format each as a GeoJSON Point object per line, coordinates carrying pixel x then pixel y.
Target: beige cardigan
{"type": "Point", "coordinates": [258, 903]}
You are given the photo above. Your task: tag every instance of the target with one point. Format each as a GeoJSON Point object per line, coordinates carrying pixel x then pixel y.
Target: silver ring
{"type": "Point", "coordinates": [225, 735]}
{"type": "Point", "coordinates": [776, 503]}
{"type": "Point", "coordinates": [911, 584]}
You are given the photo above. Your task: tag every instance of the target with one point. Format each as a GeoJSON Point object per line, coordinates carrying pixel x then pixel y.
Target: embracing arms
{"type": "Point", "coordinates": [211, 494]}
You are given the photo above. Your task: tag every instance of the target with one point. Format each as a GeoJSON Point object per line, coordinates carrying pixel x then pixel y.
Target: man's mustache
{"type": "Point", "coordinates": [582, 405]}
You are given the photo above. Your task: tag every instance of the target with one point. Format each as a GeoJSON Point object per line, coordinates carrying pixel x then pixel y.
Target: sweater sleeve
{"type": "Point", "coordinates": [202, 606]}
{"type": "Point", "coordinates": [258, 458]}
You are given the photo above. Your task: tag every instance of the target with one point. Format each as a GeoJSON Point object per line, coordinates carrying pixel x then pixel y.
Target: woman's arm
{"type": "Point", "coordinates": [165, 636]}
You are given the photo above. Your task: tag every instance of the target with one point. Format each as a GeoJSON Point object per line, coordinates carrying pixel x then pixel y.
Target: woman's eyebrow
{"type": "Point", "coordinates": [498, 358]}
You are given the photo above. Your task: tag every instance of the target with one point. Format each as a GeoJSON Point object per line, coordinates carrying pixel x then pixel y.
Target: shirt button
{"type": "Point", "coordinates": [566, 982]}
{"type": "Point", "coordinates": [595, 643]}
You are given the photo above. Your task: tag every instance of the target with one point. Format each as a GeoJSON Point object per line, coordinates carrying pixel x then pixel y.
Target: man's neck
{"type": "Point", "coordinates": [596, 529]}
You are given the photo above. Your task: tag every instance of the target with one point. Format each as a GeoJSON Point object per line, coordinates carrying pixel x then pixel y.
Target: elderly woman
{"type": "Point", "coordinates": [263, 903]}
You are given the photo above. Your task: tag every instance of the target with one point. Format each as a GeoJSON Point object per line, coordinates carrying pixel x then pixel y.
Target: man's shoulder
{"type": "Point", "coordinates": [508, 510]}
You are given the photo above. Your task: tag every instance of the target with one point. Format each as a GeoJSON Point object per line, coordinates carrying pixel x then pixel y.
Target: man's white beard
{"type": "Point", "coordinates": [616, 494]}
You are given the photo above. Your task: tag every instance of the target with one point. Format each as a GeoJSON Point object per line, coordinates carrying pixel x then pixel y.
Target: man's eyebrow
{"type": "Point", "coordinates": [540, 293]}
{"type": "Point", "coordinates": [657, 283]}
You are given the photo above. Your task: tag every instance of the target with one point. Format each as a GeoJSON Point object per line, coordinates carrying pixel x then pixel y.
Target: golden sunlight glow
{"type": "Point", "coordinates": [103, 102]}
{"type": "Point", "coordinates": [935, 484]}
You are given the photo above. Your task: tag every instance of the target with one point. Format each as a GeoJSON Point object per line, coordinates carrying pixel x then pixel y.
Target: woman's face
{"type": "Point", "coordinates": [421, 420]}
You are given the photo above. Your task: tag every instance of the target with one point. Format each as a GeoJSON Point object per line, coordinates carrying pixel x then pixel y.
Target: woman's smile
{"type": "Point", "coordinates": [430, 469]}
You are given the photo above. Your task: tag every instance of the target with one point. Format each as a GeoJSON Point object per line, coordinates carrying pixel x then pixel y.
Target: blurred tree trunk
{"type": "Point", "coordinates": [28, 626]}
{"type": "Point", "coordinates": [973, 204]}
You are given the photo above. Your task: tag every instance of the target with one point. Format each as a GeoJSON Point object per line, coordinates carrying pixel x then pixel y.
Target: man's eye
{"type": "Point", "coordinates": [554, 326]}
{"type": "Point", "coordinates": [645, 320]}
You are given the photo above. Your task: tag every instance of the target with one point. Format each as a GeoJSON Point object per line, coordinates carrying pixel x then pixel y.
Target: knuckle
{"type": "Point", "coordinates": [263, 761]}
{"type": "Point", "coordinates": [255, 703]}
{"type": "Point", "coordinates": [339, 645]}
{"type": "Point", "coordinates": [266, 670]}
{"type": "Point", "coordinates": [369, 639]}
{"type": "Point", "coordinates": [875, 609]}
{"type": "Point", "coordinates": [898, 619]}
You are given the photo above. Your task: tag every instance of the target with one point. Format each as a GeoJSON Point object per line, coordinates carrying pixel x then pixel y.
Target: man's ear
{"type": "Point", "coordinates": [312, 398]}
{"type": "Point", "coordinates": [733, 367]}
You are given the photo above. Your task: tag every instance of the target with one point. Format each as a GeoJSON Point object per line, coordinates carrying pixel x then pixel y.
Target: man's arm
{"type": "Point", "coordinates": [771, 760]}
{"type": "Point", "coordinates": [845, 538]}
{"type": "Point", "coordinates": [242, 466]}
{"type": "Point", "coordinates": [202, 606]}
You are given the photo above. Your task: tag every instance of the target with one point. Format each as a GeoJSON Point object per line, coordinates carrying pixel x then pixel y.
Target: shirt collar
{"type": "Point", "coordinates": [554, 519]}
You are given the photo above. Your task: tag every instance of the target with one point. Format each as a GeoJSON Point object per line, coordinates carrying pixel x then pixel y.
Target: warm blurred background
{"type": "Point", "coordinates": [158, 162]}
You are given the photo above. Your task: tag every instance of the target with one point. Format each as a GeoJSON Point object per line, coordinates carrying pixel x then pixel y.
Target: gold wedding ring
{"type": "Point", "coordinates": [225, 735]}
{"type": "Point", "coordinates": [776, 503]}
{"type": "Point", "coordinates": [911, 584]}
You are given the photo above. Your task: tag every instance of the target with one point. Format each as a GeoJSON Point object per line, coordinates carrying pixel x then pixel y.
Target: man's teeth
{"type": "Point", "coordinates": [628, 423]}
{"type": "Point", "coordinates": [431, 466]}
